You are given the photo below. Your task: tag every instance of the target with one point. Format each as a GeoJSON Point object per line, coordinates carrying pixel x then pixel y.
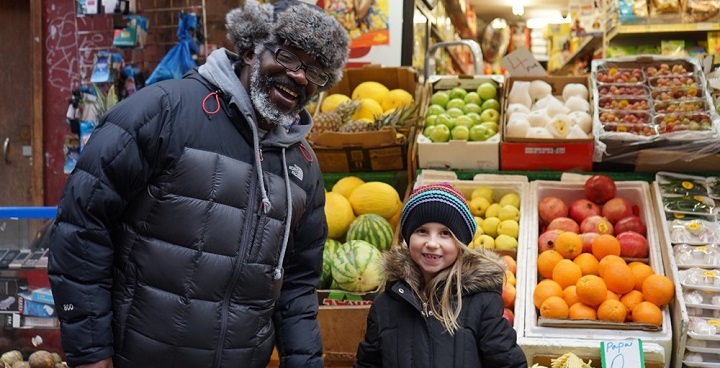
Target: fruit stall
{"type": "Point", "coordinates": [594, 256]}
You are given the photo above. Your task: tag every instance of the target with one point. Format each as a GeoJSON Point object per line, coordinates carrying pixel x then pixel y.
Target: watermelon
{"type": "Point", "coordinates": [357, 266]}
{"type": "Point", "coordinates": [373, 229]}
{"type": "Point", "coordinates": [328, 257]}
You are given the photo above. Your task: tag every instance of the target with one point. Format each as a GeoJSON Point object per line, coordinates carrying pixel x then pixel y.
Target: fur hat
{"type": "Point", "coordinates": [438, 203]}
{"type": "Point", "coordinates": [291, 22]}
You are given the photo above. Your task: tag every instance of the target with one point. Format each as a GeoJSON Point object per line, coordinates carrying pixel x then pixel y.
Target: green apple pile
{"type": "Point", "coordinates": [459, 114]}
{"type": "Point", "coordinates": [498, 220]}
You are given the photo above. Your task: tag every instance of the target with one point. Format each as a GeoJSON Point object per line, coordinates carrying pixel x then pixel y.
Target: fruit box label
{"type": "Point", "coordinates": [337, 298]}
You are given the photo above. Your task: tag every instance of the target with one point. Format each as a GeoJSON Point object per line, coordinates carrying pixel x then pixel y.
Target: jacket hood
{"type": "Point", "coordinates": [484, 271]}
{"type": "Point", "coordinates": [220, 72]}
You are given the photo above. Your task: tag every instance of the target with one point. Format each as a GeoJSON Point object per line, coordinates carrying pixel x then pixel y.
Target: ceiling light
{"type": "Point", "coordinates": [518, 9]}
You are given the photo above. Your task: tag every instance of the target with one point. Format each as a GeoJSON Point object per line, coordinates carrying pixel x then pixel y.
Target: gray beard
{"type": "Point", "coordinates": [259, 94]}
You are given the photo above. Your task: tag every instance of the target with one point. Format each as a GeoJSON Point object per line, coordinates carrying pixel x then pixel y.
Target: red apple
{"type": "Point", "coordinates": [631, 223]}
{"type": "Point", "coordinates": [564, 224]}
{"type": "Point", "coordinates": [509, 315]}
{"type": "Point", "coordinates": [546, 240]}
{"type": "Point", "coordinates": [633, 245]}
{"type": "Point", "coordinates": [616, 209]}
{"type": "Point", "coordinates": [508, 295]}
{"type": "Point", "coordinates": [597, 224]}
{"type": "Point", "coordinates": [551, 208]}
{"type": "Point", "coordinates": [587, 239]}
{"type": "Point", "coordinates": [582, 208]}
{"type": "Point", "coordinates": [511, 264]}
{"type": "Point", "coordinates": [600, 188]}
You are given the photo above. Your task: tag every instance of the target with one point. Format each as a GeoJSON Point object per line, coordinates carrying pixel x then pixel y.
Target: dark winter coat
{"type": "Point", "coordinates": [400, 334]}
{"type": "Point", "coordinates": [174, 248]}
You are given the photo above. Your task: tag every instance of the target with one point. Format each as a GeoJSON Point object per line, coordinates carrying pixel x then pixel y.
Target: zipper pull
{"type": "Point", "coordinates": [425, 312]}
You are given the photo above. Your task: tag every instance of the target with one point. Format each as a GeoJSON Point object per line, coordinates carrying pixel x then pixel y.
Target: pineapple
{"type": "Point", "coordinates": [404, 116]}
{"type": "Point", "coordinates": [356, 126]}
{"type": "Point", "coordinates": [347, 109]}
{"type": "Point", "coordinates": [326, 122]}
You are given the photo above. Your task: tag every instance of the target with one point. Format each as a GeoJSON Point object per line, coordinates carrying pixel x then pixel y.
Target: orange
{"type": "Point", "coordinates": [611, 295]}
{"type": "Point", "coordinates": [607, 261]}
{"type": "Point", "coordinates": [591, 290]}
{"type": "Point", "coordinates": [570, 295]}
{"type": "Point", "coordinates": [612, 310]}
{"type": "Point", "coordinates": [566, 273]}
{"type": "Point", "coordinates": [547, 261]}
{"type": "Point", "coordinates": [588, 263]}
{"type": "Point", "coordinates": [545, 289]}
{"type": "Point", "coordinates": [582, 311]}
{"type": "Point", "coordinates": [630, 300]}
{"type": "Point", "coordinates": [658, 289]}
{"type": "Point", "coordinates": [641, 272]}
{"type": "Point", "coordinates": [569, 244]}
{"type": "Point", "coordinates": [605, 245]}
{"type": "Point", "coordinates": [619, 278]}
{"type": "Point", "coordinates": [554, 307]}
{"type": "Point", "coordinates": [647, 312]}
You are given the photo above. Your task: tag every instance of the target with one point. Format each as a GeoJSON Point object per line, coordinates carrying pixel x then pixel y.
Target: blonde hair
{"type": "Point", "coordinates": [448, 306]}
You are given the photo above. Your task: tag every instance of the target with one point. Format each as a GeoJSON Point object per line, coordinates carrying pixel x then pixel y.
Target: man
{"type": "Point", "coordinates": [191, 232]}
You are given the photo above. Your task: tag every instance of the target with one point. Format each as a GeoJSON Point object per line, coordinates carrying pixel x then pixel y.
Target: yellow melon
{"type": "Point", "coordinates": [339, 214]}
{"type": "Point", "coordinates": [370, 89]}
{"type": "Point", "coordinates": [347, 185]}
{"type": "Point", "coordinates": [396, 98]}
{"type": "Point", "coordinates": [368, 110]}
{"type": "Point", "coordinates": [332, 101]}
{"type": "Point", "coordinates": [375, 197]}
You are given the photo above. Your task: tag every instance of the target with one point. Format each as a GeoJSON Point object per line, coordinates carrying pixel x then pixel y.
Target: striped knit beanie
{"type": "Point", "coordinates": [439, 203]}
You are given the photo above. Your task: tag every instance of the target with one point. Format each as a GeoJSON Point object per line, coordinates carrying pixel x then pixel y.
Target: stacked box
{"type": "Point", "coordinates": [584, 337]}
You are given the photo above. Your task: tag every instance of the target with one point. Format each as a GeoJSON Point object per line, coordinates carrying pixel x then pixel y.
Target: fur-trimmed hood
{"type": "Point", "coordinates": [484, 271]}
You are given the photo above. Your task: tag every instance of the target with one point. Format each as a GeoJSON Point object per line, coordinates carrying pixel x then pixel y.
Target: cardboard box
{"type": "Point", "coordinates": [471, 155]}
{"type": "Point", "coordinates": [539, 349]}
{"type": "Point", "coordinates": [342, 329]}
{"type": "Point", "coordinates": [367, 151]}
{"type": "Point", "coordinates": [637, 193]}
{"type": "Point", "coordinates": [546, 154]}
{"type": "Point", "coordinates": [29, 307]}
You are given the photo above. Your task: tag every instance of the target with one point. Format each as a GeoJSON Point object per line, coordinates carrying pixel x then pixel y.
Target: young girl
{"type": "Point", "coordinates": [441, 306]}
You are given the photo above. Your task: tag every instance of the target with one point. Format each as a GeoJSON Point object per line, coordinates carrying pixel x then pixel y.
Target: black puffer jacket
{"type": "Point", "coordinates": [399, 335]}
{"type": "Point", "coordinates": [169, 244]}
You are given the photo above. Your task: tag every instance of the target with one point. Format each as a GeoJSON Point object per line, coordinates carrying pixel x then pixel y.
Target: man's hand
{"type": "Point", "coordinates": [107, 363]}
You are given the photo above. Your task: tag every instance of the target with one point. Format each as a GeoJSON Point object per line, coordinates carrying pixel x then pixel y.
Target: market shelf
{"type": "Point", "coordinates": [667, 28]}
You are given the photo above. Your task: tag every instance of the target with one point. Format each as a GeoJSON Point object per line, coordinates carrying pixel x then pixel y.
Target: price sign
{"type": "Point", "coordinates": [522, 63]}
{"type": "Point", "coordinates": [622, 354]}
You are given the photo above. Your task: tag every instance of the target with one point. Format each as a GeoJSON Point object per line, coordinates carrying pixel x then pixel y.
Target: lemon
{"type": "Point", "coordinates": [368, 109]}
{"type": "Point", "coordinates": [396, 98]}
{"type": "Point", "coordinates": [346, 185]}
{"type": "Point", "coordinates": [370, 89]}
{"type": "Point", "coordinates": [339, 214]}
{"type": "Point", "coordinates": [332, 101]}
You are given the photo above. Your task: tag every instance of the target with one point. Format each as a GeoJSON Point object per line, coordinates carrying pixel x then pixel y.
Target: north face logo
{"type": "Point", "coordinates": [296, 171]}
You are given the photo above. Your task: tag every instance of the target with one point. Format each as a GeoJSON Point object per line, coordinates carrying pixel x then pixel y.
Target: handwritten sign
{"type": "Point", "coordinates": [522, 63]}
{"type": "Point", "coordinates": [622, 354]}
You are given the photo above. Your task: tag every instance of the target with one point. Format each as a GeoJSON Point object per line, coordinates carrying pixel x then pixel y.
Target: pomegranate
{"type": "Point", "coordinates": [551, 208]}
{"type": "Point", "coordinates": [565, 224]}
{"type": "Point", "coordinates": [546, 240]}
{"type": "Point", "coordinates": [631, 223]}
{"type": "Point", "coordinates": [597, 224]}
{"type": "Point", "coordinates": [587, 239]}
{"type": "Point", "coordinates": [582, 208]}
{"type": "Point", "coordinates": [600, 189]}
{"type": "Point", "coordinates": [616, 209]}
{"type": "Point", "coordinates": [633, 245]}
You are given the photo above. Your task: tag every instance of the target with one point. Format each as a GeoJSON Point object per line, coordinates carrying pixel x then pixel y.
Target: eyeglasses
{"type": "Point", "coordinates": [293, 63]}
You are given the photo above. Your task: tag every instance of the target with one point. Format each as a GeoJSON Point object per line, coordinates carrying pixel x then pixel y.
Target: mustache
{"type": "Point", "coordinates": [289, 84]}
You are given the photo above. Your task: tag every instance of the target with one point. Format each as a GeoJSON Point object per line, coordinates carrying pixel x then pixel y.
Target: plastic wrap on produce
{"type": "Point", "coordinates": [679, 114]}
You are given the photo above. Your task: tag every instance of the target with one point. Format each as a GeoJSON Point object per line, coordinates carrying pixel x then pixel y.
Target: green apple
{"type": "Point", "coordinates": [455, 102]}
{"type": "Point", "coordinates": [440, 98]}
{"type": "Point", "coordinates": [491, 104]}
{"type": "Point", "coordinates": [472, 97]}
{"type": "Point", "coordinates": [463, 120]}
{"type": "Point", "coordinates": [482, 191]}
{"type": "Point", "coordinates": [428, 130]}
{"type": "Point", "coordinates": [454, 112]}
{"type": "Point", "coordinates": [472, 107]}
{"type": "Point", "coordinates": [493, 210]}
{"type": "Point", "coordinates": [458, 92]}
{"type": "Point", "coordinates": [484, 241]}
{"type": "Point", "coordinates": [509, 228]}
{"type": "Point", "coordinates": [434, 109]}
{"type": "Point", "coordinates": [491, 125]}
{"type": "Point", "coordinates": [486, 91]}
{"type": "Point", "coordinates": [460, 133]}
{"type": "Point", "coordinates": [430, 120]}
{"type": "Point", "coordinates": [508, 212]}
{"type": "Point", "coordinates": [478, 206]}
{"type": "Point", "coordinates": [443, 119]}
{"type": "Point", "coordinates": [490, 225]}
{"type": "Point", "coordinates": [479, 133]}
{"type": "Point", "coordinates": [490, 115]}
{"type": "Point", "coordinates": [512, 199]}
{"type": "Point", "coordinates": [475, 117]}
{"type": "Point", "coordinates": [506, 242]}
{"type": "Point", "coordinates": [441, 133]}
{"type": "Point", "coordinates": [478, 222]}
